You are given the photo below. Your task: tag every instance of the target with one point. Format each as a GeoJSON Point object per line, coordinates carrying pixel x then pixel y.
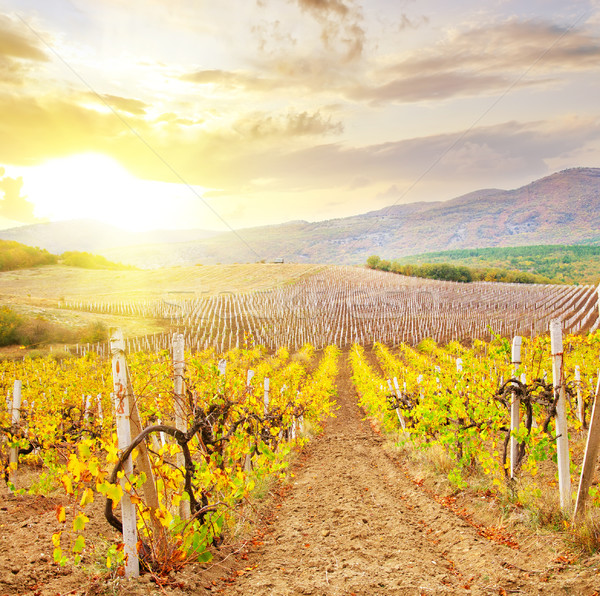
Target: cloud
{"type": "Point", "coordinates": [427, 87]}
{"type": "Point", "coordinates": [477, 61]}
{"type": "Point", "coordinates": [126, 104]}
{"type": "Point", "coordinates": [232, 80]}
{"type": "Point", "coordinates": [408, 23]}
{"type": "Point", "coordinates": [508, 151]}
{"type": "Point", "coordinates": [116, 102]}
{"type": "Point", "coordinates": [315, 73]}
{"type": "Point", "coordinates": [12, 205]}
{"type": "Point", "coordinates": [18, 43]}
{"type": "Point", "coordinates": [18, 49]}
{"type": "Point", "coordinates": [37, 129]}
{"type": "Point", "coordinates": [483, 60]}
{"type": "Point", "coordinates": [340, 25]}
{"type": "Point", "coordinates": [281, 148]}
{"type": "Point", "coordinates": [392, 193]}
{"type": "Point", "coordinates": [288, 125]}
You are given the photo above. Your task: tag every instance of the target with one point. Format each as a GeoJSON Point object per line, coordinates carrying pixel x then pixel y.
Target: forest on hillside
{"type": "Point", "coordinates": [569, 264]}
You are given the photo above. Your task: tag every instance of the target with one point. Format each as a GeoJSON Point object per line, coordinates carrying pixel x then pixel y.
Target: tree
{"type": "Point", "coordinates": [373, 262]}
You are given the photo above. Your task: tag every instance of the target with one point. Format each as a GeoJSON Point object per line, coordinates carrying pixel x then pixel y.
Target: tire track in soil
{"type": "Point", "coordinates": [353, 523]}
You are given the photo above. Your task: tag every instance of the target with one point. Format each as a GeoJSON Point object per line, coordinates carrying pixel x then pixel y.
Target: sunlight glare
{"type": "Point", "coordinates": [95, 186]}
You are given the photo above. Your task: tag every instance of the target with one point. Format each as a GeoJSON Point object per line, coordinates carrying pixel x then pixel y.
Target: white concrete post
{"type": "Point", "coordinates": [122, 415]}
{"type": "Point", "coordinates": [100, 413]}
{"type": "Point", "coordinates": [515, 403]}
{"type": "Point", "coordinates": [180, 417]}
{"type": "Point", "coordinates": [14, 419]}
{"type": "Point", "coordinates": [562, 433]}
{"type": "Point", "coordinates": [398, 413]}
{"type": "Point", "coordinates": [579, 398]}
{"type": "Point", "coordinates": [266, 395]}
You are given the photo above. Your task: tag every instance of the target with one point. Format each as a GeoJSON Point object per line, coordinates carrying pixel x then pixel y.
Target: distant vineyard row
{"type": "Point", "coordinates": [345, 305]}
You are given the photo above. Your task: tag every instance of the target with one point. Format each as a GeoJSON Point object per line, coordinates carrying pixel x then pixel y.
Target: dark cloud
{"type": "Point", "coordinates": [12, 204]}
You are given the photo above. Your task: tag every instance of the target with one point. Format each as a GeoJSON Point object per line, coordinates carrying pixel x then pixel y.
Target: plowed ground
{"type": "Point", "coordinates": [352, 521]}
{"type": "Point", "coordinates": [356, 523]}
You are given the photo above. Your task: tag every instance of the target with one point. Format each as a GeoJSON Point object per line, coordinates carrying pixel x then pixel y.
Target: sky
{"type": "Point", "coordinates": [168, 114]}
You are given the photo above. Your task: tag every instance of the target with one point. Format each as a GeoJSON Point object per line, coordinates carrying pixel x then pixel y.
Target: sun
{"type": "Point", "coordinates": [96, 186]}
{"type": "Point", "coordinates": [87, 185]}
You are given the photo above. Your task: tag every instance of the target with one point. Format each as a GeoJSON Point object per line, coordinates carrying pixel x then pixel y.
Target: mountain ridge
{"type": "Point", "coordinates": [562, 208]}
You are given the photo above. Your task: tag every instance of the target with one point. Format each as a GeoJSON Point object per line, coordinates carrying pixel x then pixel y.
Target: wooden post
{"type": "Point", "coordinates": [14, 419]}
{"type": "Point", "coordinates": [180, 417]}
{"type": "Point", "coordinates": [562, 433]}
{"type": "Point", "coordinates": [590, 458]}
{"type": "Point", "coordinates": [515, 403]}
{"type": "Point", "coordinates": [122, 415]}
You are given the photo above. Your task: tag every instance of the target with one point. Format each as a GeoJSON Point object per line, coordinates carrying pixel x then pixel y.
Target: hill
{"type": "Point", "coordinates": [14, 255]}
{"type": "Point", "coordinates": [93, 236]}
{"type": "Point", "coordinates": [568, 264]}
{"type": "Point", "coordinates": [563, 208]}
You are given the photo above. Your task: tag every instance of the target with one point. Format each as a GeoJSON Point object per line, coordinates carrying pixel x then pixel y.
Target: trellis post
{"type": "Point", "coordinates": [180, 418]}
{"type": "Point", "coordinates": [562, 433]}
{"type": "Point", "coordinates": [14, 419]}
{"type": "Point", "coordinates": [122, 415]}
{"type": "Point", "coordinates": [579, 399]}
{"type": "Point", "coordinates": [266, 395]}
{"type": "Point", "coordinates": [515, 403]}
{"type": "Point", "coordinates": [590, 458]}
{"type": "Point", "coordinates": [248, 458]}
{"type": "Point", "coordinates": [398, 413]}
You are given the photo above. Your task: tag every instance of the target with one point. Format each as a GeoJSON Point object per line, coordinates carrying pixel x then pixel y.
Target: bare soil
{"type": "Point", "coordinates": [351, 521]}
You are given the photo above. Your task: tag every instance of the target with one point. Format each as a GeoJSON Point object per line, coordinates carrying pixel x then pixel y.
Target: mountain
{"type": "Point", "coordinates": [563, 208]}
{"type": "Point", "coordinates": [93, 236]}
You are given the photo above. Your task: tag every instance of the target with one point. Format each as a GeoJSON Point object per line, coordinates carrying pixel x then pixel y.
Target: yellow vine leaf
{"type": "Point", "coordinates": [79, 522]}
{"type": "Point", "coordinates": [87, 497]}
{"type": "Point", "coordinates": [67, 483]}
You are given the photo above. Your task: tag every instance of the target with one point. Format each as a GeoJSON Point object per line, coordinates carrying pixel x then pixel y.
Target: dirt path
{"type": "Point", "coordinates": [353, 523]}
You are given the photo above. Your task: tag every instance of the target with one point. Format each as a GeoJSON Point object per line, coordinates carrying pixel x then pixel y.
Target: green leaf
{"type": "Point", "coordinates": [79, 544]}
{"type": "Point", "coordinates": [205, 557]}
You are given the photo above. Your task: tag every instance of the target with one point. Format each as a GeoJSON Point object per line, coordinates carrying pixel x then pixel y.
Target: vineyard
{"type": "Point", "coordinates": [345, 305]}
{"type": "Point", "coordinates": [148, 455]}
